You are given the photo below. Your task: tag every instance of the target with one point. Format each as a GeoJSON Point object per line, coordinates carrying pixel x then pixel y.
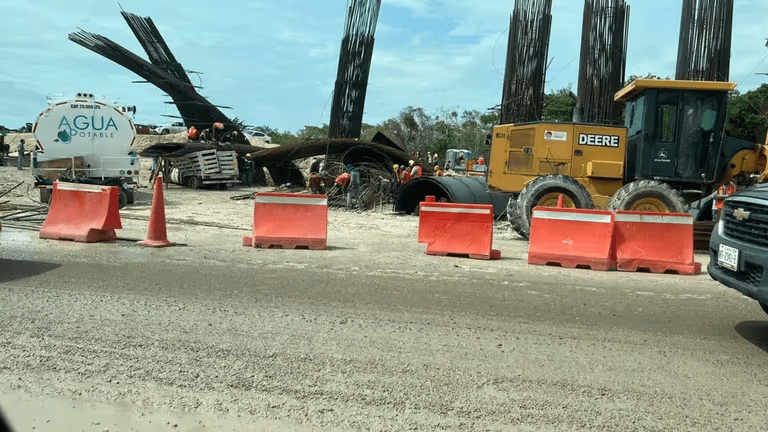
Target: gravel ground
{"type": "Point", "coordinates": [371, 334]}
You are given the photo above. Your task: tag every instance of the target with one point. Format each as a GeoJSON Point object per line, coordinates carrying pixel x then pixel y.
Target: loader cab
{"type": "Point", "coordinates": [674, 129]}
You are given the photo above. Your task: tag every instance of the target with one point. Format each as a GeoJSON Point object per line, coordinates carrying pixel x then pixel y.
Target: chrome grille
{"type": "Point", "coordinates": [752, 229]}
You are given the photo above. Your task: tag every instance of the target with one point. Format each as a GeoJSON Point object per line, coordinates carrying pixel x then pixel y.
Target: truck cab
{"type": "Point", "coordinates": [674, 131]}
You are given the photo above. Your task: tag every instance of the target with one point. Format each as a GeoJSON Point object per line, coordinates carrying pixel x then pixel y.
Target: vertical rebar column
{"type": "Point", "coordinates": [354, 67]}
{"type": "Point", "coordinates": [524, 76]}
{"type": "Point", "coordinates": [704, 49]}
{"type": "Point", "coordinates": [603, 61]}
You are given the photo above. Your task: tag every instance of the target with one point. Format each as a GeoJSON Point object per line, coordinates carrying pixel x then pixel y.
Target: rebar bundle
{"type": "Point", "coordinates": [527, 47]}
{"type": "Point", "coordinates": [154, 45]}
{"type": "Point", "coordinates": [354, 67]}
{"type": "Point", "coordinates": [603, 61]}
{"type": "Point", "coordinates": [704, 49]}
{"type": "Point", "coordinates": [164, 72]}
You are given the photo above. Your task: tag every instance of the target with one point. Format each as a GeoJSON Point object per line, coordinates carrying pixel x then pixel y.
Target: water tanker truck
{"type": "Point", "coordinates": [87, 139]}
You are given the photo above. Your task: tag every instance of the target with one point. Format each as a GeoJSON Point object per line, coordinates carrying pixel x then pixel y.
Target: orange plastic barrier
{"type": "Point", "coordinates": [457, 229]}
{"type": "Point", "coordinates": [290, 221]}
{"type": "Point", "coordinates": [82, 213]}
{"type": "Point", "coordinates": [574, 238]}
{"type": "Point", "coordinates": [655, 242]}
{"type": "Point", "coordinates": [157, 235]}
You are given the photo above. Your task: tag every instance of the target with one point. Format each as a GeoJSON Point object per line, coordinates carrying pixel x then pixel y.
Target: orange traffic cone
{"type": "Point", "coordinates": [157, 236]}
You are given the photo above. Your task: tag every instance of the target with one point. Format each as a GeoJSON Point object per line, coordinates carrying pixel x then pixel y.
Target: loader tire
{"type": "Point", "coordinates": [512, 216]}
{"type": "Point", "coordinates": [544, 191]}
{"type": "Point", "coordinates": [648, 196]}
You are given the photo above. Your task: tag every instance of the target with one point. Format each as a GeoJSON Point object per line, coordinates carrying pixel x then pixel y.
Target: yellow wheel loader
{"type": "Point", "coordinates": [671, 152]}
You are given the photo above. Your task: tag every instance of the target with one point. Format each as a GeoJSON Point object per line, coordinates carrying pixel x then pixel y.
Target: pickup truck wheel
{"type": "Point", "coordinates": [764, 306]}
{"type": "Point", "coordinates": [545, 191]}
{"type": "Point", "coordinates": [648, 196]}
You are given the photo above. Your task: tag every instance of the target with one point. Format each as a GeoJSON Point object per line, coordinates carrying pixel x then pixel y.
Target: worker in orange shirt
{"type": "Point", "coordinates": [405, 175]}
{"type": "Point", "coordinates": [722, 192]}
{"type": "Point", "coordinates": [416, 170]}
{"type": "Point", "coordinates": [342, 181]}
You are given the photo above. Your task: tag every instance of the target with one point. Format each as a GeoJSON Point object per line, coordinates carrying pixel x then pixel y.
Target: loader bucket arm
{"type": "Point", "coordinates": [750, 161]}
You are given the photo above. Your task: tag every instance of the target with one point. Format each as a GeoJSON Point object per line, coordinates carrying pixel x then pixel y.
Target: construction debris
{"type": "Point", "coordinates": [163, 71]}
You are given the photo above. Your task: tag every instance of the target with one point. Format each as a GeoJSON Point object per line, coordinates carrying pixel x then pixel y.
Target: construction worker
{"type": "Point", "coordinates": [435, 159]}
{"type": "Point", "coordinates": [247, 170]}
{"type": "Point", "coordinates": [20, 160]}
{"type": "Point", "coordinates": [218, 131]}
{"type": "Point", "coordinates": [439, 172]}
{"type": "Point", "coordinates": [416, 170]}
{"type": "Point", "coordinates": [385, 190]}
{"type": "Point", "coordinates": [316, 183]}
{"type": "Point", "coordinates": [342, 181]}
{"type": "Point", "coordinates": [481, 160]}
{"type": "Point", "coordinates": [405, 175]}
{"type": "Point", "coordinates": [722, 192]}
{"type": "Point", "coordinates": [192, 133]}
{"type": "Point", "coordinates": [355, 183]}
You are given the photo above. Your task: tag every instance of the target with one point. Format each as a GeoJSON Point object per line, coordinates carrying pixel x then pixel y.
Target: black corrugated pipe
{"type": "Point", "coordinates": [464, 190]}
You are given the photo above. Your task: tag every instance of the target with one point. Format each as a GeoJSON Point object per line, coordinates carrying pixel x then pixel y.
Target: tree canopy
{"type": "Point", "coordinates": [748, 115]}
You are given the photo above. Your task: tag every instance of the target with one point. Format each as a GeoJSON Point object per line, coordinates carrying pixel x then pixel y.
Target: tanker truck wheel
{"type": "Point", "coordinates": [648, 196]}
{"type": "Point", "coordinates": [122, 199]}
{"type": "Point", "coordinates": [130, 196]}
{"type": "Point", "coordinates": [544, 191]}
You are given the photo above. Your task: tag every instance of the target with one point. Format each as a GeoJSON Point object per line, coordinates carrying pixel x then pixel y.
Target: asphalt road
{"type": "Point", "coordinates": [181, 339]}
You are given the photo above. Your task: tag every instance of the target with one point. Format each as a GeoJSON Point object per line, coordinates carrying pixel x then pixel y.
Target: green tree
{"type": "Point", "coordinates": [748, 114]}
{"type": "Point", "coordinates": [413, 129]}
{"type": "Point", "coordinates": [313, 133]}
{"type": "Point", "coordinates": [558, 105]}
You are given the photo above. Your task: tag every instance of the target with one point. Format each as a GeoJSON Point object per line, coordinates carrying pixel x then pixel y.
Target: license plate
{"type": "Point", "coordinates": [728, 257]}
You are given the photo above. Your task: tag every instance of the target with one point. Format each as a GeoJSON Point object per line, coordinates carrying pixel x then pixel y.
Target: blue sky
{"type": "Point", "coordinates": [274, 62]}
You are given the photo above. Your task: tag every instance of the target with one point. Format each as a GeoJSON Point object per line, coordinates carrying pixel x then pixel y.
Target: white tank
{"type": "Point", "coordinates": [99, 131]}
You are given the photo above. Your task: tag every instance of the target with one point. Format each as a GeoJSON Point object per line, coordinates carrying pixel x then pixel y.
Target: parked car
{"type": "Point", "coordinates": [169, 128]}
{"type": "Point", "coordinates": [738, 247]}
{"type": "Point", "coordinates": [252, 133]}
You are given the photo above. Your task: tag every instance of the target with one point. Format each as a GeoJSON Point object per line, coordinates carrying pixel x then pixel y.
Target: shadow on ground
{"type": "Point", "coordinates": [755, 332]}
{"type": "Point", "coordinates": [11, 270]}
